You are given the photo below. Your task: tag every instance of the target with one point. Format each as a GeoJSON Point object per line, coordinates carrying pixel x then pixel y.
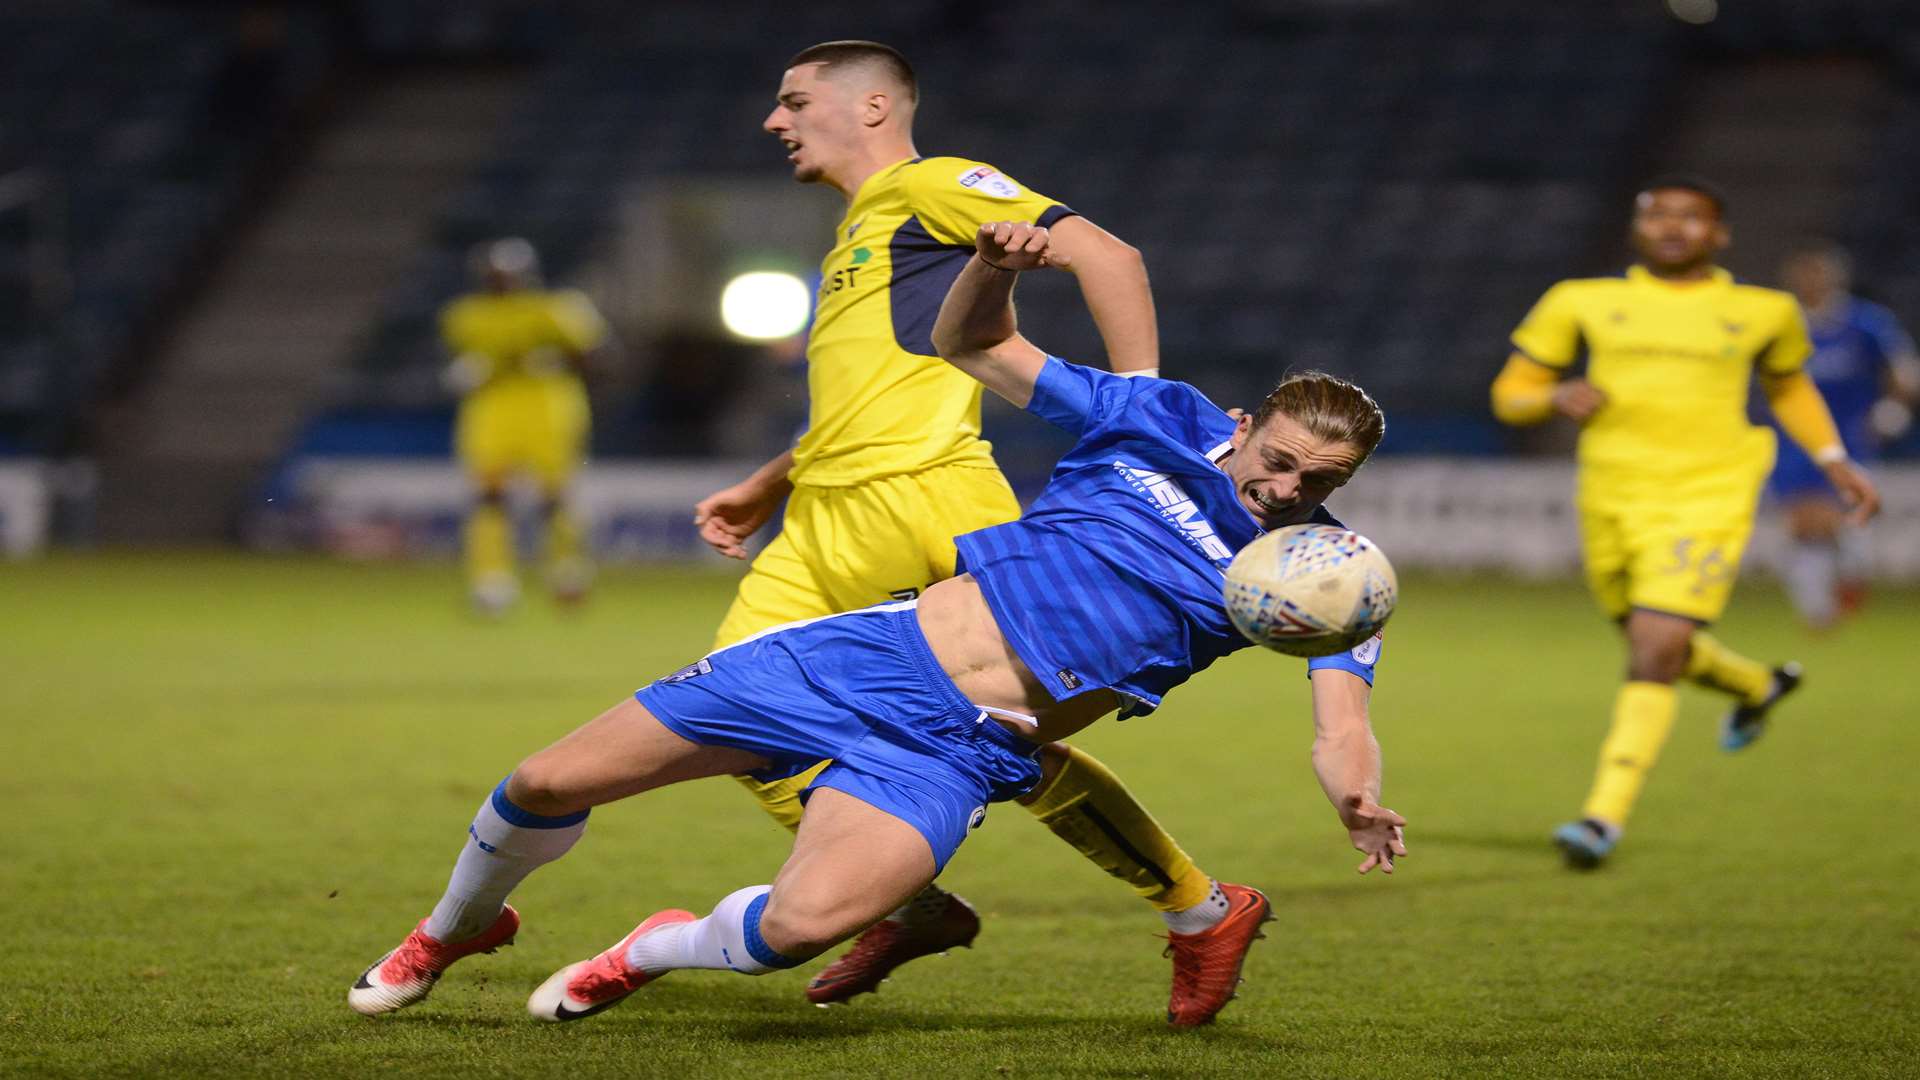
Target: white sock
{"type": "Point", "coordinates": [728, 939]}
{"type": "Point", "coordinates": [1853, 554]}
{"type": "Point", "coordinates": [1201, 917]}
{"type": "Point", "coordinates": [1812, 575]}
{"type": "Point", "coordinates": [504, 845]}
{"type": "Point", "coordinates": [926, 905]}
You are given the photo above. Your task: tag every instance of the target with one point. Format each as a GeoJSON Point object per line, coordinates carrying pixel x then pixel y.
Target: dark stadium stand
{"type": "Point", "coordinates": [126, 177]}
{"type": "Point", "coordinates": [1378, 188]}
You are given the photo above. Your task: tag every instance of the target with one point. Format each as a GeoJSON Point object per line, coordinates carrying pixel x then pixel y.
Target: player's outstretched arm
{"type": "Point", "coordinates": [1113, 281]}
{"type": "Point", "coordinates": [1346, 758]}
{"type": "Point", "coordinates": [1803, 415]}
{"type": "Point", "coordinates": [976, 331]}
{"type": "Point", "coordinates": [729, 516]}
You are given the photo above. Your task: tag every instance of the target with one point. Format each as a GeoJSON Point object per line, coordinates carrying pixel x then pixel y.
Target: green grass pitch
{"type": "Point", "coordinates": [230, 783]}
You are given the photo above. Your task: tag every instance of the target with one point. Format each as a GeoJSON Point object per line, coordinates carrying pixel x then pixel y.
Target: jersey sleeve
{"type": "Point", "coordinates": [1074, 397]}
{"type": "Point", "coordinates": [1790, 348]}
{"type": "Point", "coordinates": [1359, 660]}
{"type": "Point", "coordinates": [953, 196]}
{"type": "Point", "coordinates": [576, 322]}
{"type": "Point", "coordinates": [1550, 333]}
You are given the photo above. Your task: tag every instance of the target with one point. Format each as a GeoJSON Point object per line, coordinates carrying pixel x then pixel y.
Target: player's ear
{"type": "Point", "coordinates": [1240, 431]}
{"type": "Point", "coordinates": [876, 110]}
{"type": "Point", "coordinates": [1722, 237]}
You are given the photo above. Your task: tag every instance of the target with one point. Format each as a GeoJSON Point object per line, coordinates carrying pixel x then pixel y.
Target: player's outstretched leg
{"type": "Point", "coordinates": [850, 861]}
{"type": "Point", "coordinates": [505, 843]}
{"type": "Point", "coordinates": [532, 818]}
{"type": "Point", "coordinates": [1084, 803]}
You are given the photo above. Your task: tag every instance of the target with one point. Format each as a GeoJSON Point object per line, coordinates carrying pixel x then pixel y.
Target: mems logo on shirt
{"type": "Point", "coordinates": [987, 180]}
{"type": "Point", "coordinates": [1179, 510]}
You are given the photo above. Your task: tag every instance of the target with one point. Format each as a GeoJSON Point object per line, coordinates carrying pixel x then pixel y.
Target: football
{"type": "Point", "coordinates": [1310, 590]}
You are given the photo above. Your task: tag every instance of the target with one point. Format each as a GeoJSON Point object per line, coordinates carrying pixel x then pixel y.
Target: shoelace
{"type": "Point", "coordinates": [1186, 966]}
{"type": "Point", "coordinates": [416, 954]}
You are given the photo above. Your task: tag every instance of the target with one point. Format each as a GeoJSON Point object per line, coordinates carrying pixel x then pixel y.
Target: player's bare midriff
{"type": "Point", "coordinates": [970, 648]}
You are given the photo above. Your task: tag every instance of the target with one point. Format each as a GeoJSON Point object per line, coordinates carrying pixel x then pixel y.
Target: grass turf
{"type": "Point", "coordinates": [233, 782]}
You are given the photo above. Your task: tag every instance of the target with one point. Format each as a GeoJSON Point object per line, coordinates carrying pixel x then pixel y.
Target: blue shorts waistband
{"type": "Point", "coordinates": [906, 627]}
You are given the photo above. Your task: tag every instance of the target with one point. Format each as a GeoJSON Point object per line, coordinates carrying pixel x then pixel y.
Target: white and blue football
{"type": "Point", "coordinates": [1310, 590]}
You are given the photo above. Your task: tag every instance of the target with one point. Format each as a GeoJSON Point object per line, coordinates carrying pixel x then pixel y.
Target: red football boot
{"type": "Point", "coordinates": [590, 986]}
{"type": "Point", "coordinates": [1206, 966]}
{"type": "Point", "coordinates": [406, 975]}
{"type": "Point", "coordinates": [887, 944]}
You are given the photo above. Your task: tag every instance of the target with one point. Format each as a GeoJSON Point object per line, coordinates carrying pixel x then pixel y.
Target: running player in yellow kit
{"type": "Point", "coordinates": [1670, 468]}
{"type": "Point", "coordinates": [517, 352]}
{"type": "Point", "coordinates": [892, 467]}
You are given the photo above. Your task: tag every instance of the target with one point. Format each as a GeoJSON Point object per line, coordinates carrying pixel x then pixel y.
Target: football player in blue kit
{"type": "Point", "coordinates": [1866, 367]}
{"type": "Point", "coordinates": [1102, 597]}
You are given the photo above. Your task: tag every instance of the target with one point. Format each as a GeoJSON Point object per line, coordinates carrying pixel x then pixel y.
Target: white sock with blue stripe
{"type": "Point", "coordinates": [504, 845]}
{"type": "Point", "coordinates": [729, 939]}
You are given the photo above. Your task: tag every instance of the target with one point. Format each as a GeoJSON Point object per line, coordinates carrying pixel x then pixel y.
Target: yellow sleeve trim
{"type": "Point", "coordinates": [1803, 415]}
{"type": "Point", "coordinates": [1523, 391]}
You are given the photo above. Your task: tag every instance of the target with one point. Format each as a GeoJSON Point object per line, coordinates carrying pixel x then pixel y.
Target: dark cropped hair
{"type": "Point", "coordinates": [870, 53]}
{"type": "Point", "coordinates": [1699, 185]}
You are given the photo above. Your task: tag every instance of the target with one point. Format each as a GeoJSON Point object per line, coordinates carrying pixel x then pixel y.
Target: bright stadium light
{"type": "Point", "coordinates": [1697, 12]}
{"type": "Point", "coordinates": [765, 305]}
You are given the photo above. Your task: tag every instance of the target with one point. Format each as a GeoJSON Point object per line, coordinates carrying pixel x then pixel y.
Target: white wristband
{"type": "Point", "coordinates": [1830, 454]}
{"type": "Point", "coordinates": [1139, 373]}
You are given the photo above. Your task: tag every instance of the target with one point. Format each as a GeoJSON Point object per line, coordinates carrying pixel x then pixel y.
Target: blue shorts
{"type": "Point", "coordinates": [863, 689]}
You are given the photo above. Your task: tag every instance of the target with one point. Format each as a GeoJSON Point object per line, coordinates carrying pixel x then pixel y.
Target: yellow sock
{"type": "Point", "coordinates": [781, 798]}
{"type": "Point", "coordinates": [568, 570]}
{"type": "Point", "coordinates": [1089, 808]}
{"type": "Point", "coordinates": [1643, 715]}
{"type": "Point", "coordinates": [489, 544]}
{"type": "Point", "coordinates": [1713, 665]}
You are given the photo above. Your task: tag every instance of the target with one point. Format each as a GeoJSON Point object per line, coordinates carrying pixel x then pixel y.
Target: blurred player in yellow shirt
{"type": "Point", "coordinates": [892, 467]}
{"type": "Point", "coordinates": [518, 351]}
{"type": "Point", "coordinates": [1670, 468]}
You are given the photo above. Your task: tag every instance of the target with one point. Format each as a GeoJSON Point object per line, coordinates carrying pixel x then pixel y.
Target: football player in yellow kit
{"type": "Point", "coordinates": [892, 467]}
{"type": "Point", "coordinates": [518, 351]}
{"type": "Point", "coordinates": [1670, 468]}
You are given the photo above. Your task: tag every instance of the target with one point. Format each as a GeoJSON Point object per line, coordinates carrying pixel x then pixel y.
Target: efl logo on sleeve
{"type": "Point", "coordinates": [988, 181]}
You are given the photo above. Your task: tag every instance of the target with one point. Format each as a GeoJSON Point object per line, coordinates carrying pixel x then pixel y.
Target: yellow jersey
{"type": "Point", "coordinates": [882, 402]}
{"type": "Point", "coordinates": [1675, 361]}
{"type": "Point", "coordinates": [524, 335]}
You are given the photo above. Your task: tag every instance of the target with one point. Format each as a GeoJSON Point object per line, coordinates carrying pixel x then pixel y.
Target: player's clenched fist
{"type": "Point", "coordinates": [1017, 245]}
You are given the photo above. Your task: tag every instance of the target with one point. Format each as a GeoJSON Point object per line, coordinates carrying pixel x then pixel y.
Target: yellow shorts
{"type": "Point", "coordinates": [1678, 552]}
{"type": "Point", "coordinates": [842, 548]}
{"type": "Point", "coordinates": [535, 427]}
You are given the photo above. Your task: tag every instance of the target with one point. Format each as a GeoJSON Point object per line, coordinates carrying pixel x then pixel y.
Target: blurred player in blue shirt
{"type": "Point", "coordinates": [1103, 596]}
{"type": "Point", "coordinates": [1865, 366]}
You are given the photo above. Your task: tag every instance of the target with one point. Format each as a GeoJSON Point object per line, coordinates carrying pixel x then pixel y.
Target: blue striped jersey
{"type": "Point", "coordinates": [1114, 577]}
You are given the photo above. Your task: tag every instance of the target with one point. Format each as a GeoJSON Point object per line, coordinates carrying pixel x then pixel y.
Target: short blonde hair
{"type": "Point", "coordinates": [1328, 406]}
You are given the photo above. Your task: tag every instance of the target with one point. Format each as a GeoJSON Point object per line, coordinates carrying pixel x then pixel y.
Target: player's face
{"type": "Point", "coordinates": [1813, 278]}
{"type": "Point", "coordinates": [1675, 230]}
{"type": "Point", "coordinates": [1282, 471]}
{"type": "Point", "coordinates": [816, 119]}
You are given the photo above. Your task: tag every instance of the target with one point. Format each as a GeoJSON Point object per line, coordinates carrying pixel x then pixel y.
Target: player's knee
{"type": "Point", "coordinates": [542, 785]}
{"type": "Point", "coordinates": [491, 495]}
{"type": "Point", "coordinates": [1660, 660]}
{"type": "Point", "coordinates": [1053, 758]}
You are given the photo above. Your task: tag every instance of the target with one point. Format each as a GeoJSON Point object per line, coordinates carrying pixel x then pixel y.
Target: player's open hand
{"type": "Point", "coordinates": [1856, 489]}
{"type": "Point", "coordinates": [1017, 245]}
{"type": "Point", "coordinates": [729, 516]}
{"type": "Point", "coordinates": [1377, 832]}
{"type": "Point", "coordinates": [1578, 399]}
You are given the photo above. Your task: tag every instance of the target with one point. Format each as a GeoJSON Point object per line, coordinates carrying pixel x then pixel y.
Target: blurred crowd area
{"type": "Point", "coordinates": [226, 228]}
